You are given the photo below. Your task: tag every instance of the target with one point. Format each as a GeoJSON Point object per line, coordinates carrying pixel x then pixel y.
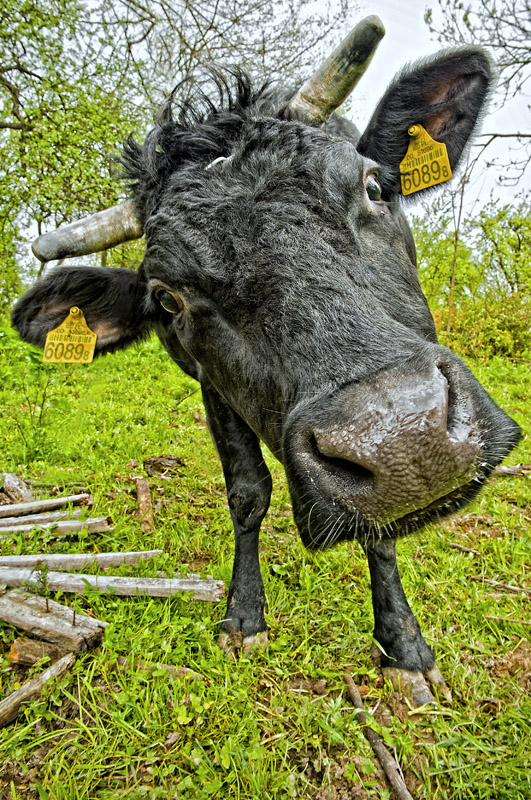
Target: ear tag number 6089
{"type": "Point", "coordinates": [72, 342]}
{"type": "Point", "coordinates": [425, 164]}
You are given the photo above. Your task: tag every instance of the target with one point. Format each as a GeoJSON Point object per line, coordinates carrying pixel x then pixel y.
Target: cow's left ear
{"type": "Point", "coordinates": [444, 94]}
{"type": "Point", "coordinates": [112, 300]}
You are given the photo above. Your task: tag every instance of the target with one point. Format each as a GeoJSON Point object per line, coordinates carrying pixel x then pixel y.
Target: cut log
{"type": "Point", "coordinates": [123, 663]}
{"type": "Point", "coordinates": [145, 508]}
{"type": "Point", "coordinates": [129, 587]}
{"type": "Point", "coordinates": [46, 619]}
{"type": "Point", "coordinates": [10, 707]}
{"type": "Point", "coordinates": [40, 519]}
{"type": "Point", "coordinates": [15, 488]}
{"type": "Point", "coordinates": [59, 561]}
{"type": "Point", "coordinates": [50, 504]}
{"type": "Point", "coordinates": [27, 652]}
{"type": "Point", "coordinates": [63, 527]}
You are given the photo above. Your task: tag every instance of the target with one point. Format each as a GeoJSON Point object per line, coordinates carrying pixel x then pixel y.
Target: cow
{"type": "Point", "coordinates": [280, 272]}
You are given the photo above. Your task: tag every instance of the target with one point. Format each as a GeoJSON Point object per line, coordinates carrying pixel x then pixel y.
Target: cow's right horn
{"type": "Point", "coordinates": [90, 235]}
{"type": "Point", "coordinates": [332, 83]}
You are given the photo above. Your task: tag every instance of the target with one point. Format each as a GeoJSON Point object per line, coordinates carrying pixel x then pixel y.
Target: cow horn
{"type": "Point", "coordinates": [331, 84]}
{"type": "Point", "coordinates": [90, 235]}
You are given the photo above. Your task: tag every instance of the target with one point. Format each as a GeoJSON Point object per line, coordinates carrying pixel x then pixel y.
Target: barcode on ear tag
{"type": "Point", "coordinates": [425, 164]}
{"type": "Point", "coordinates": [72, 342]}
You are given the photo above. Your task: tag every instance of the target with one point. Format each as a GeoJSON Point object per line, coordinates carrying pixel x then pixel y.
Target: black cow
{"type": "Point", "coordinates": [280, 272]}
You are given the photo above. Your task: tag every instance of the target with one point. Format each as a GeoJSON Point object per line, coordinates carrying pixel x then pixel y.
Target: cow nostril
{"type": "Point", "coordinates": [341, 467]}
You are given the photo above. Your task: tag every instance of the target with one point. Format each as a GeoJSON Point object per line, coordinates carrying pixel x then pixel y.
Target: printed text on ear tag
{"type": "Point", "coordinates": [72, 342]}
{"type": "Point", "coordinates": [425, 163]}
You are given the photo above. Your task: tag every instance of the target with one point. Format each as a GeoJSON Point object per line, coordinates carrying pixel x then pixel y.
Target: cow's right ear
{"type": "Point", "coordinates": [444, 94]}
{"type": "Point", "coordinates": [112, 300]}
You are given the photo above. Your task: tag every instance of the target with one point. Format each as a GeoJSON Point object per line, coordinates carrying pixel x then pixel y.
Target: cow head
{"type": "Point", "coordinates": [280, 270]}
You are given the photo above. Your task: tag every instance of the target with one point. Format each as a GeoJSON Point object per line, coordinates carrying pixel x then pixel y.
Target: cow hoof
{"type": "Point", "coordinates": [415, 684]}
{"type": "Point", "coordinates": [235, 643]}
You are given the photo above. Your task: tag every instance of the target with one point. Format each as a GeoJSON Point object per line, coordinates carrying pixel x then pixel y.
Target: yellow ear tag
{"type": "Point", "coordinates": [72, 342]}
{"type": "Point", "coordinates": [425, 163]}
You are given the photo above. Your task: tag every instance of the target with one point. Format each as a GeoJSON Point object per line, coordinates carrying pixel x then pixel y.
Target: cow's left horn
{"type": "Point", "coordinates": [331, 84]}
{"type": "Point", "coordinates": [90, 235]}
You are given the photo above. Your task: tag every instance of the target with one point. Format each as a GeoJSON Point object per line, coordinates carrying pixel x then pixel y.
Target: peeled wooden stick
{"type": "Point", "coordinates": [36, 506]}
{"type": "Point", "coordinates": [145, 508]}
{"type": "Point", "coordinates": [10, 707]}
{"type": "Point", "coordinates": [40, 519]}
{"type": "Point", "coordinates": [61, 528]}
{"type": "Point", "coordinates": [389, 765]}
{"type": "Point", "coordinates": [58, 561]}
{"type": "Point", "coordinates": [153, 587]}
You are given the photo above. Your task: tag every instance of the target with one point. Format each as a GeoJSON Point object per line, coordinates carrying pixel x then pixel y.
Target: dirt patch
{"type": "Point", "coordinates": [516, 663]}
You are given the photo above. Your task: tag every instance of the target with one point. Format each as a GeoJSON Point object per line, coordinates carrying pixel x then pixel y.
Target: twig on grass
{"type": "Point", "coordinates": [388, 763]}
{"type": "Point", "coordinates": [10, 707]}
{"type": "Point", "coordinates": [122, 663]}
{"type": "Point", "coordinates": [507, 586]}
{"type": "Point", "coordinates": [506, 619]}
{"type": "Point", "coordinates": [462, 548]}
{"type": "Point", "coordinates": [145, 507]}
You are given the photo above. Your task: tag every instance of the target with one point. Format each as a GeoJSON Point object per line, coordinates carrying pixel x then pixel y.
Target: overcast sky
{"type": "Point", "coordinates": [408, 38]}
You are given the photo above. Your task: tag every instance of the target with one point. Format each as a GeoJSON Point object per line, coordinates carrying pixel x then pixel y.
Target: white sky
{"type": "Point", "coordinates": [408, 38]}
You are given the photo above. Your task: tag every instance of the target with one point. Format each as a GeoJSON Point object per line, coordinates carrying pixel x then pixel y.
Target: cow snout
{"type": "Point", "coordinates": [396, 446]}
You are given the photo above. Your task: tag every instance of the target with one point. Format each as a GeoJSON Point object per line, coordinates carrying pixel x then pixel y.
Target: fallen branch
{"type": "Point", "coordinates": [39, 519]}
{"type": "Point", "coordinates": [507, 586]}
{"type": "Point", "coordinates": [462, 548]}
{"type": "Point", "coordinates": [59, 561]}
{"type": "Point", "coordinates": [27, 652]}
{"type": "Point", "coordinates": [46, 619]}
{"type": "Point", "coordinates": [123, 663]}
{"type": "Point", "coordinates": [50, 504]}
{"type": "Point", "coordinates": [506, 619]}
{"type": "Point", "coordinates": [516, 469]}
{"type": "Point", "coordinates": [15, 488]}
{"type": "Point", "coordinates": [389, 765]}
{"type": "Point", "coordinates": [63, 527]}
{"type": "Point", "coordinates": [10, 707]}
{"type": "Point", "coordinates": [129, 587]}
{"type": "Point", "coordinates": [145, 508]}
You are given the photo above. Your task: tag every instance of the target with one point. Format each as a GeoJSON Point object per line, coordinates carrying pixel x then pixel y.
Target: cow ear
{"type": "Point", "coordinates": [444, 94]}
{"type": "Point", "coordinates": [112, 300]}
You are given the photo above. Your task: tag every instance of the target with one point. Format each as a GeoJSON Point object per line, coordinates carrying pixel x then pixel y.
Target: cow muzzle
{"type": "Point", "coordinates": [392, 447]}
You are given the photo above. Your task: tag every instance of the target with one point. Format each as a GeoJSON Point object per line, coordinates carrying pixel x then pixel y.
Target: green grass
{"type": "Point", "coordinates": [278, 725]}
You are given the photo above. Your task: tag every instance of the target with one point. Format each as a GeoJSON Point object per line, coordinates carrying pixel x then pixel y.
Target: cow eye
{"type": "Point", "coordinates": [374, 190]}
{"type": "Point", "coordinates": [169, 302]}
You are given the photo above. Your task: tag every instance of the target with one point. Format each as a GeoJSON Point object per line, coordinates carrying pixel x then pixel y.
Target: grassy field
{"type": "Point", "coordinates": [278, 725]}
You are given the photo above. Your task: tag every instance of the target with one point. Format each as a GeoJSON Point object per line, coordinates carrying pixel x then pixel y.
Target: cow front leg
{"type": "Point", "coordinates": [249, 486]}
{"type": "Point", "coordinates": [405, 658]}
